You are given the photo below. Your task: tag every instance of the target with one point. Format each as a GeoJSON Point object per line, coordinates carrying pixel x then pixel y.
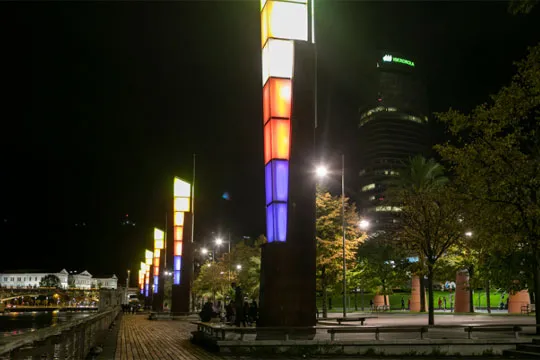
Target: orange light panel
{"type": "Point", "coordinates": [277, 99]}
{"type": "Point", "coordinates": [181, 204]}
{"type": "Point", "coordinates": [276, 140]}
{"type": "Point", "coordinates": [178, 234]}
{"type": "Point", "coordinates": [178, 248]}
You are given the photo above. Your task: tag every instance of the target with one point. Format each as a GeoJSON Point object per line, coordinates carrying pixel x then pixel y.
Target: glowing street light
{"type": "Point", "coordinates": [238, 267]}
{"type": "Point", "coordinates": [321, 171]}
{"type": "Point", "coordinates": [468, 234]}
{"type": "Point", "coordinates": [364, 224]}
{"type": "Point", "coordinates": [219, 241]}
{"type": "Point", "coordinates": [204, 251]}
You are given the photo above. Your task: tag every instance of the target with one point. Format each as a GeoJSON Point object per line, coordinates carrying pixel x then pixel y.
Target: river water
{"type": "Point", "coordinates": [16, 323]}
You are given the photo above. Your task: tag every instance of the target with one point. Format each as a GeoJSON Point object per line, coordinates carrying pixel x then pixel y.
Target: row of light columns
{"type": "Point", "coordinates": [150, 270]}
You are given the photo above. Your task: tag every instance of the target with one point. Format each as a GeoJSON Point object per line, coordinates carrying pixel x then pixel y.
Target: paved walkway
{"type": "Point", "coordinates": [143, 339]}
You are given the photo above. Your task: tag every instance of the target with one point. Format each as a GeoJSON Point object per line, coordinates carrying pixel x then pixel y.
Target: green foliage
{"type": "Point", "coordinates": [329, 226]}
{"type": "Point", "coordinates": [521, 6]}
{"type": "Point", "coordinates": [242, 265]}
{"type": "Point", "coordinates": [50, 281]}
{"type": "Point", "coordinates": [496, 161]}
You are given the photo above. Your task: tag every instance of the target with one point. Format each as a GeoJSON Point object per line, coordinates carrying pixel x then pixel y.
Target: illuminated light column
{"type": "Point", "coordinates": [157, 287]}
{"type": "Point", "coordinates": [182, 257]}
{"type": "Point", "coordinates": [142, 273]}
{"type": "Point", "coordinates": [159, 238]}
{"type": "Point", "coordinates": [288, 89]}
{"type": "Point", "coordinates": [149, 256]}
{"type": "Point", "coordinates": [141, 278]}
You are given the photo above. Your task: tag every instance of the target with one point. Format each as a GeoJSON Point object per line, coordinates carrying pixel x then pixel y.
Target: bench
{"type": "Point", "coordinates": [528, 309]}
{"type": "Point", "coordinates": [377, 330]}
{"type": "Point", "coordinates": [514, 329]}
{"type": "Point", "coordinates": [382, 308]}
{"type": "Point", "coordinates": [219, 331]}
{"type": "Point", "coordinates": [362, 319]}
{"type": "Point", "coordinates": [160, 316]}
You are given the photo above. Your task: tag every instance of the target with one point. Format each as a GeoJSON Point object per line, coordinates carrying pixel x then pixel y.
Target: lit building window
{"type": "Point", "coordinates": [388, 208]}
{"type": "Point", "coordinates": [368, 187]}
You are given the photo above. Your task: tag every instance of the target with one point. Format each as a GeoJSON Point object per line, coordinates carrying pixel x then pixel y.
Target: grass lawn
{"type": "Point", "coordinates": [479, 299]}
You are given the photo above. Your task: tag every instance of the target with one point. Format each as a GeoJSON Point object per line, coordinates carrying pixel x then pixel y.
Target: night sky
{"type": "Point", "coordinates": [103, 103]}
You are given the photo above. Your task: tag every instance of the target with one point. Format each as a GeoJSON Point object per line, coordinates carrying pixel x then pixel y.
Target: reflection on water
{"type": "Point", "coordinates": [20, 322]}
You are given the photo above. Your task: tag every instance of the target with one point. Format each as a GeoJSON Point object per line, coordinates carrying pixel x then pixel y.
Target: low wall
{"type": "Point", "coordinates": [69, 340]}
{"type": "Point", "coordinates": [431, 347]}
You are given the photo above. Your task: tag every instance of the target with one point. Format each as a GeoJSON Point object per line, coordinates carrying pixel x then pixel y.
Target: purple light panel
{"type": "Point", "coordinates": [146, 289]}
{"type": "Point", "coordinates": [276, 222]}
{"type": "Point", "coordinates": [277, 181]}
{"type": "Point", "coordinates": [176, 267]}
{"type": "Point", "coordinates": [156, 281]}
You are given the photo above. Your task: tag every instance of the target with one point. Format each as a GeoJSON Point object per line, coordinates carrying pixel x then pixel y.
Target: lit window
{"type": "Point", "coordinates": [368, 187]}
{"type": "Point", "coordinates": [277, 59]}
{"type": "Point", "coordinates": [284, 20]}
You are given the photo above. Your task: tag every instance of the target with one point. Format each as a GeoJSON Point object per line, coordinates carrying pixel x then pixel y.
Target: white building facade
{"type": "Point", "coordinates": [82, 280]}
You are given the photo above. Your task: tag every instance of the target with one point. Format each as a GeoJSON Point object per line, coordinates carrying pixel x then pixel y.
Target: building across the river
{"type": "Point", "coordinates": [68, 279]}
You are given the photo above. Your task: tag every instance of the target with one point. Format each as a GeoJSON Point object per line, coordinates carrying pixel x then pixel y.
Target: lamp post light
{"type": "Point", "coordinates": [322, 171]}
{"type": "Point", "coordinates": [239, 267]}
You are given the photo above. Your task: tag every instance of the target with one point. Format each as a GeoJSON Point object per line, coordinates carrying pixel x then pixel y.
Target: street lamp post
{"type": "Point", "coordinates": [321, 172]}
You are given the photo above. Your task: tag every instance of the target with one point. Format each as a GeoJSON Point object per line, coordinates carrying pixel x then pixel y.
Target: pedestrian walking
{"type": "Point", "coordinates": [402, 303]}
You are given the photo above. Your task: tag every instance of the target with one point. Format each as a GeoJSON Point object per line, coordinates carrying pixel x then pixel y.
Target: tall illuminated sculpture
{"type": "Point", "coordinates": [288, 89]}
{"type": "Point", "coordinates": [148, 256]}
{"type": "Point", "coordinates": [182, 253]}
{"type": "Point", "coordinates": [159, 238]}
{"type": "Point", "coordinates": [141, 277]}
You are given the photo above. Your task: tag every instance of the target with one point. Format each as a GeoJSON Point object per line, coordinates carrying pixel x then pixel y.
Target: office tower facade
{"type": "Point", "coordinates": [392, 129]}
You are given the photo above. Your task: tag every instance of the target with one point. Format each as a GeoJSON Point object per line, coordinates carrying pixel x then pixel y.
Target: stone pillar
{"type": "Point", "coordinates": [518, 299]}
{"type": "Point", "coordinates": [415, 294]}
{"type": "Point", "coordinates": [462, 292]}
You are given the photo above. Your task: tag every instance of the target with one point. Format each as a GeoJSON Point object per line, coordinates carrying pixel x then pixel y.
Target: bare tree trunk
{"type": "Point", "coordinates": [431, 314]}
{"type": "Point", "coordinates": [488, 300]}
{"type": "Point", "coordinates": [384, 294]}
{"type": "Point", "coordinates": [422, 294]}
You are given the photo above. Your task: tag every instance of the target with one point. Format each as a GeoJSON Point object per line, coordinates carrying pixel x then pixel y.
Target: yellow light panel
{"type": "Point", "coordinates": [178, 248]}
{"type": "Point", "coordinates": [181, 204]}
{"type": "Point", "coordinates": [277, 59]}
{"type": "Point", "coordinates": [143, 267]}
{"type": "Point", "coordinates": [149, 255]}
{"type": "Point", "coordinates": [263, 2]}
{"type": "Point", "coordinates": [181, 188]}
{"type": "Point", "coordinates": [284, 20]}
{"type": "Point", "coordinates": [159, 244]}
{"type": "Point", "coordinates": [178, 219]}
{"type": "Point", "coordinates": [178, 233]}
{"type": "Point", "coordinates": [158, 234]}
